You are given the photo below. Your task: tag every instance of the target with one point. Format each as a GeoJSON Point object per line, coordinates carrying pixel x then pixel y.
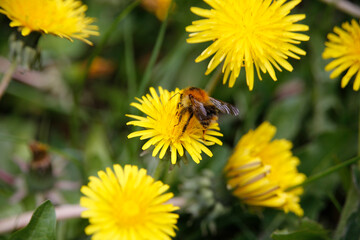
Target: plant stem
{"type": "Point", "coordinates": [210, 87]}
{"type": "Point", "coordinates": [75, 123]}
{"type": "Point", "coordinates": [154, 55]}
{"type": "Point", "coordinates": [335, 201]}
{"type": "Point", "coordinates": [326, 172]}
{"type": "Point", "coordinates": [345, 6]}
{"type": "Point", "coordinates": [161, 169]}
{"type": "Point", "coordinates": [130, 59]}
{"type": "Point", "coordinates": [108, 33]}
{"type": "Point", "coordinates": [7, 78]}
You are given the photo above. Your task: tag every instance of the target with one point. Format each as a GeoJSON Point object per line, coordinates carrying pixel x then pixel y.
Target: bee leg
{"type": "Point", "coordinates": [182, 112]}
{"type": "Point", "coordinates": [177, 108]}
{"type": "Point", "coordinates": [187, 122]}
{"type": "Point", "coordinates": [205, 125]}
{"type": "Point", "coordinates": [179, 104]}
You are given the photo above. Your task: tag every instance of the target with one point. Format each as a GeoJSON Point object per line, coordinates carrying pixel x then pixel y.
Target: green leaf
{"type": "Point", "coordinates": [356, 177]}
{"type": "Point", "coordinates": [352, 230]}
{"type": "Point", "coordinates": [348, 226]}
{"type": "Point", "coordinates": [308, 230]}
{"type": "Point", "coordinates": [41, 226]}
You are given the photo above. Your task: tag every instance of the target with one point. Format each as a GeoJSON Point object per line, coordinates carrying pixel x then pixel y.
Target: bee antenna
{"type": "Point", "coordinates": [174, 95]}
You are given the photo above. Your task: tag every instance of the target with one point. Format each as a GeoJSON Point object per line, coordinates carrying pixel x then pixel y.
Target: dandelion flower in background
{"type": "Point", "coordinates": [159, 7]}
{"type": "Point", "coordinates": [260, 170]}
{"type": "Point", "coordinates": [344, 47]}
{"type": "Point", "coordinates": [163, 130]}
{"type": "Point", "coordinates": [100, 68]}
{"type": "Point", "coordinates": [63, 18]}
{"type": "Point", "coordinates": [128, 204]}
{"type": "Point", "coordinates": [248, 33]}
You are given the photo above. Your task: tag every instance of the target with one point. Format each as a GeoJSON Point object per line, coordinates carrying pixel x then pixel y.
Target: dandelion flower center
{"type": "Point", "coordinates": [130, 212]}
{"type": "Point", "coordinates": [132, 209]}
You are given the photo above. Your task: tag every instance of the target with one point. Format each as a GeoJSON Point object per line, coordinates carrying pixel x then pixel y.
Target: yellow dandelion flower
{"type": "Point", "coordinates": [159, 7]}
{"type": "Point", "coordinates": [128, 204]}
{"type": "Point", "coordinates": [63, 18]}
{"type": "Point", "coordinates": [260, 170]}
{"type": "Point", "coordinates": [247, 33]}
{"type": "Point", "coordinates": [164, 131]}
{"type": "Point", "coordinates": [344, 47]}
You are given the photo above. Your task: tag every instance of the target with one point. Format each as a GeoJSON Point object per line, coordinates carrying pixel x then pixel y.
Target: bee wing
{"type": "Point", "coordinates": [225, 107]}
{"type": "Point", "coordinates": [199, 109]}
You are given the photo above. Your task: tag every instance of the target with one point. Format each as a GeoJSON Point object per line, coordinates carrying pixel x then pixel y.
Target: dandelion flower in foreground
{"type": "Point", "coordinates": [248, 33]}
{"type": "Point", "coordinates": [260, 170]}
{"type": "Point", "coordinates": [344, 47]}
{"type": "Point", "coordinates": [128, 204]}
{"type": "Point", "coordinates": [63, 18]}
{"type": "Point", "coordinates": [163, 130]}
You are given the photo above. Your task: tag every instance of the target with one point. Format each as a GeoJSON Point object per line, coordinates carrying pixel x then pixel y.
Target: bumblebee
{"type": "Point", "coordinates": [206, 109]}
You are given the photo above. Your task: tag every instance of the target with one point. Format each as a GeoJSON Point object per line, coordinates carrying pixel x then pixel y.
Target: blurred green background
{"type": "Point", "coordinates": [84, 123]}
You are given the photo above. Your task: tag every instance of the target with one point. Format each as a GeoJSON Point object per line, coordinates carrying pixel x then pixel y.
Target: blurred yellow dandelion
{"type": "Point", "coordinates": [63, 18]}
{"type": "Point", "coordinates": [128, 204]}
{"type": "Point", "coordinates": [159, 7]}
{"type": "Point", "coordinates": [247, 33]}
{"type": "Point", "coordinates": [164, 131]}
{"type": "Point", "coordinates": [260, 170]}
{"type": "Point", "coordinates": [344, 46]}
